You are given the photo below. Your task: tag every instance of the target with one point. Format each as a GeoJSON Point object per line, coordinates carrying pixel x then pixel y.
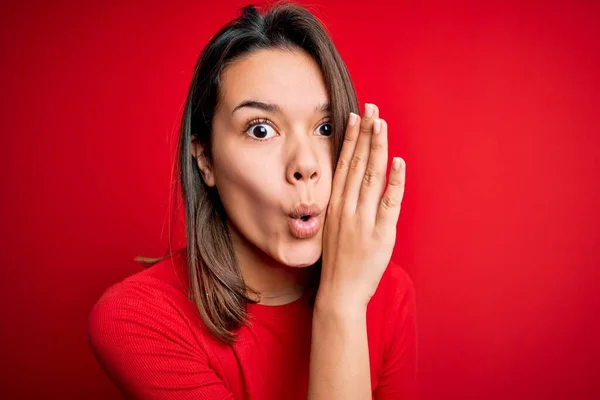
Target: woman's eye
{"type": "Point", "coordinates": [325, 129]}
{"type": "Point", "coordinates": [261, 131]}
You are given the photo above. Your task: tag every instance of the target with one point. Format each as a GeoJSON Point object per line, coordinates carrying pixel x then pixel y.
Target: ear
{"type": "Point", "coordinates": [203, 162]}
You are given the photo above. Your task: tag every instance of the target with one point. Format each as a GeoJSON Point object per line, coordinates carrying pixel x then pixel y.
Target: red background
{"type": "Point", "coordinates": [495, 108]}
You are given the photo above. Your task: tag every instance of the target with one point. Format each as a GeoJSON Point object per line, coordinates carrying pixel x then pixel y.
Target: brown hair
{"type": "Point", "coordinates": [216, 285]}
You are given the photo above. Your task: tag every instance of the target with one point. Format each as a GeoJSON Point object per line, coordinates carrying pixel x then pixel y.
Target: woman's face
{"type": "Point", "coordinates": [272, 162]}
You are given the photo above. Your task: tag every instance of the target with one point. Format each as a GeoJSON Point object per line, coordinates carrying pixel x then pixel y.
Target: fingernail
{"type": "Point", "coordinates": [396, 164]}
{"type": "Point", "coordinates": [377, 126]}
{"type": "Point", "coordinates": [352, 119]}
{"type": "Point", "coordinates": [368, 110]}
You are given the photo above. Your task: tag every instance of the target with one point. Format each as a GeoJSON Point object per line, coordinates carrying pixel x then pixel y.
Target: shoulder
{"type": "Point", "coordinates": [148, 337]}
{"type": "Point", "coordinates": [393, 328]}
{"type": "Point", "coordinates": [164, 282]}
{"type": "Point", "coordinates": [396, 288]}
{"type": "Point", "coordinates": [150, 304]}
{"type": "Point", "coordinates": [392, 304]}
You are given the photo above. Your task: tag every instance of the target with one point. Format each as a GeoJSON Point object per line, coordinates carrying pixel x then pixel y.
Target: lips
{"type": "Point", "coordinates": [303, 210]}
{"type": "Point", "coordinates": [304, 221]}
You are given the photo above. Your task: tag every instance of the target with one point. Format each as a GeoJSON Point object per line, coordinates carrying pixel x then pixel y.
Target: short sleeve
{"type": "Point", "coordinates": [148, 350]}
{"type": "Point", "coordinates": [399, 375]}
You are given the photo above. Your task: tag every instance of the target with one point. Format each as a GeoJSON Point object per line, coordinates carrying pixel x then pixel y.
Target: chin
{"type": "Point", "coordinates": [301, 255]}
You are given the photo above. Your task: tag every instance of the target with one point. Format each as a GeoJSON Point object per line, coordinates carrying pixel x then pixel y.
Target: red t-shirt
{"type": "Point", "coordinates": [149, 338]}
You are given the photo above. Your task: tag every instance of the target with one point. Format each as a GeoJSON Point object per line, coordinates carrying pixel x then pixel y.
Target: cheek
{"type": "Point", "coordinates": [248, 186]}
{"type": "Point", "coordinates": [326, 184]}
{"type": "Point", "coordinates": [251, 175]}
{"type": "Point", "coordinates": [326, 173]}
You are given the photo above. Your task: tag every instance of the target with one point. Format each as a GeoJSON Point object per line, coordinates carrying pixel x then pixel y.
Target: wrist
{"type": "Point", "coordinates": [339, 306]}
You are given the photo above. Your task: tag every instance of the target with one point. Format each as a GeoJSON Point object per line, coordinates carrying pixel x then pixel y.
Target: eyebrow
{"type": "Point", "coordinates": [274, 108]}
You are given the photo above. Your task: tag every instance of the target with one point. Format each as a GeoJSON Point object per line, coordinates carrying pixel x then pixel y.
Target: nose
{"type": "Point", "coordinates": [303, 165]}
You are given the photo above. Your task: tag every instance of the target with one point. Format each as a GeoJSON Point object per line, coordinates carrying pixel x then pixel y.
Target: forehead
{"type": "Point", "coordinates": [293, 80]}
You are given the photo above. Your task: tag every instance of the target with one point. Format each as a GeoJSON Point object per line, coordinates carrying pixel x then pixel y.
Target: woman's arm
{"type": "Point", "coordinates": [339, 358]}
{"type": "Point", "coordinates": [359, 237]}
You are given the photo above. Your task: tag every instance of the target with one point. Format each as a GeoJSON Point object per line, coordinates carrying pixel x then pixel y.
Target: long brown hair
{"type": "Point", "coordinates": [216, 284]}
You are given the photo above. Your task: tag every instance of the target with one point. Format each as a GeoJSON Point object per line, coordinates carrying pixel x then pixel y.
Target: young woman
{"type": "Point", "coordinates": [285, 289]}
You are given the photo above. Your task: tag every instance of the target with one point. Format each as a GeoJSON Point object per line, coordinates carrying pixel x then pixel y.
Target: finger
{"type": "Point", "coordinates": [358, 162]}
{"type": "Point", "coordinates": [341, 171]}
{"type": "Point", "coordinates": [373, 181]}
{"type": "Point", "coordinates": [390, 204]}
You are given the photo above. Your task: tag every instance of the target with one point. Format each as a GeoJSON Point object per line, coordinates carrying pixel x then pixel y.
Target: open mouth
{"type": "Point", "coordinates": [305, 221]}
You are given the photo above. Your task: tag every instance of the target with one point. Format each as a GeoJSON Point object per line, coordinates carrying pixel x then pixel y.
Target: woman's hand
{"type": "Point", "coordinates": [360, 228]}
{"type": "Point", "coordinates": [359, 236]}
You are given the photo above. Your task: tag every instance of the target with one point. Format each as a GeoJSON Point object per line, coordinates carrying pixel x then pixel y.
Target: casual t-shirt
{"type": "Point", "coordinates": [148, 336]}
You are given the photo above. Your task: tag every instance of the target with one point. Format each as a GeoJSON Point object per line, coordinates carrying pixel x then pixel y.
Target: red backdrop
{"type": "Point", "coordinates": [494, 108]}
